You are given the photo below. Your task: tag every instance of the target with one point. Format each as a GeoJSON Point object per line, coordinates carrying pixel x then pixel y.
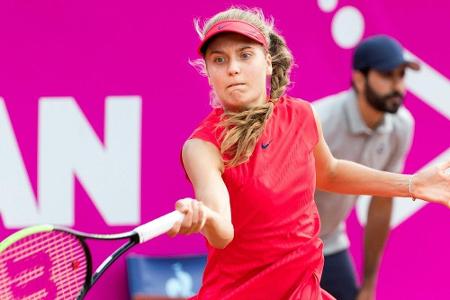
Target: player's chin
{"type": "Point", "coordinates": [241, 103]}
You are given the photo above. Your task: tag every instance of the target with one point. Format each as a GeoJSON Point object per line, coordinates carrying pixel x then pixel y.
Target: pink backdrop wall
{"type": "Point", "coordinates": [90, 50]}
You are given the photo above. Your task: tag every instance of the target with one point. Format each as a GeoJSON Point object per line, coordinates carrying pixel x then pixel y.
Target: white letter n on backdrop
{"type": "Point", "coordinates": [109, 172]}
{"type": "Point", "coordinates": [69, 147]}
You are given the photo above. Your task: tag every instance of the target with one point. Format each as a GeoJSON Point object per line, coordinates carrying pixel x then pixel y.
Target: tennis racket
{"type": "Point", "coordinates": [49, 262]}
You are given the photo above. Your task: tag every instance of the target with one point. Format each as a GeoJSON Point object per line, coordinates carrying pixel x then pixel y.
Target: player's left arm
{"type": "Point", "coordinates": [341, 176]}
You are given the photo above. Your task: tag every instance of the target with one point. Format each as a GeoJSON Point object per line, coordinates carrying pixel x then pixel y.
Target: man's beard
{"type": "Point", "coordinates": [385, 103]}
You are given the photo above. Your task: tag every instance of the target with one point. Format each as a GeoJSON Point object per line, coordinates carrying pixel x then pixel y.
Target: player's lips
{"type": "Point", "coordinates": [235, 84]}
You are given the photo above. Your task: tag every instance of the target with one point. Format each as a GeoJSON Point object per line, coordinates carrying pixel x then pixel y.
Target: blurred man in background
{"type": "Point", "coordinates": [366, 124]}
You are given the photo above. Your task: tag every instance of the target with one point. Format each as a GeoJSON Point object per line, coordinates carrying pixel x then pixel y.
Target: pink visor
{"type": "Point", "coordinates": [236, 26]}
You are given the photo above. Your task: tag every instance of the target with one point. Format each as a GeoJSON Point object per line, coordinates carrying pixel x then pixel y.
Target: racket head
{"type": "Point", "coordinates": [44, 262]}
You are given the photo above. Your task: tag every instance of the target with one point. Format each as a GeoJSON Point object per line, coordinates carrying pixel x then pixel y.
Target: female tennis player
{"type": "Point", "coordinates": [254, 163]}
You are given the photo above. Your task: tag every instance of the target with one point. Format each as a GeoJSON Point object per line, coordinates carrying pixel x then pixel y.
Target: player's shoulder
{"type": "Point", "coordinates": [198, 152]}
{"type": "Point", "coordinates": [295, 102]}
{"type": "Point", "coordinates": [295, 107]}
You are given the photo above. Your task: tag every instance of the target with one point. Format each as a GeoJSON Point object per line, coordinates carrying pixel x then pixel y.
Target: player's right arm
{"type": "Point", "coordinates": [211, 213]}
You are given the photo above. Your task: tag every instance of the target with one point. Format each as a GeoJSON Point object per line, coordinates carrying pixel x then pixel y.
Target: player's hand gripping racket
{"type": "Point", "coordinates": [49, 262]}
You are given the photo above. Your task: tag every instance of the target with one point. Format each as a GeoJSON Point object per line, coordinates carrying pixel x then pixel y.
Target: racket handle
{"type": "Point", "coordinates": [158, 226]}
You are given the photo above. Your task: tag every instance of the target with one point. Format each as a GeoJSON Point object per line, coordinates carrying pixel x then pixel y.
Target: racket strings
{"type": "Point", "coordinates": [42, 294]}
{"type": "Point", "coordinates": [44, 265]}
{"type": "Point", "coordinates": [70, 282]}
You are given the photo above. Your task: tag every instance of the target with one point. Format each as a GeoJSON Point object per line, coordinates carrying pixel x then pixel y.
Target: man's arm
{"type": "Point", "coordinates": [380, 211]}
{"type": "Point", "coordinates": [376, 233]}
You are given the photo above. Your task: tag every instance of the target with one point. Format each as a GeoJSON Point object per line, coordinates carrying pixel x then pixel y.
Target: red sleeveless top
{"type": "Point", "coordinates": [276, 252]}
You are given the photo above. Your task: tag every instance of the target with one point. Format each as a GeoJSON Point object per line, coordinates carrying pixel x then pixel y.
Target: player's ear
{"type": "Point", "coordinates": [269, 68]}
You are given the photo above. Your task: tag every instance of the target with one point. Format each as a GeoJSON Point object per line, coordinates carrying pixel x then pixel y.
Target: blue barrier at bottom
{"type": "Point", "coordinates": [164, 277]}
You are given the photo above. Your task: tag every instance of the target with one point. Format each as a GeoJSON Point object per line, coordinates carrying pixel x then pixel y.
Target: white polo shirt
{"type": "Point", "coordinates": [348, 137]}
